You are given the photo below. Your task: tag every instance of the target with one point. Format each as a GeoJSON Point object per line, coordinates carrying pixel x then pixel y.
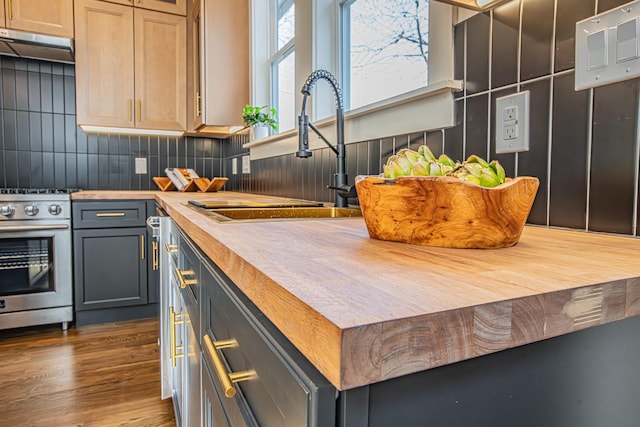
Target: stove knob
{"type": "Point", "coordinates": [31, 210]}
{"type": "Point", "coordinates": [55, 209]}
{"type": "Point", "coordinates": [7, 210]}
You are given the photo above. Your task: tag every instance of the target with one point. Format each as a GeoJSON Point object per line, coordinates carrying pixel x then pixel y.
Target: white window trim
{"type": "Point", "coordinates": [428, 108]}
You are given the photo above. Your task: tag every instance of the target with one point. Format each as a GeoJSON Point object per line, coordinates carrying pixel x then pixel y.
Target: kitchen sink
{"type": "Point", "coordinates": [248, 214]}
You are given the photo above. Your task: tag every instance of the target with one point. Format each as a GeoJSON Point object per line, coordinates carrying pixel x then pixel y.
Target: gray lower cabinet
{"type": "Point", "coordinates": [113, 261]}
{"type": "Point", "coordinates": [282, 388]}
{"type": "Point", "coordinates": [111, 268]}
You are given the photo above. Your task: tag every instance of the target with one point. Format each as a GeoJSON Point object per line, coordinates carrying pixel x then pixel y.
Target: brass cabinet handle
{"type": "Point", "coordinates": [227, 379]}
{"type": "Point", "coordinates": [139, 111]}
{"type": "Point", "coordinates": [174, 319]}
{"type": "Point", "coordinates": [110, 214]}
{"type": "Point", "coordinates": [10, 9]}
{"type": "Point", "coordinates": [154, 256]}
{"type": "Point", "coordinates": [142, 248]}
{"type": "Point", "coordinates": [198, 98]}
{"type": "Point", "coordinates": [184, 282]}
{"type": "Point", "coordinates": [130, 110]}
{"type": "Point", "coordinates": [171, 247]}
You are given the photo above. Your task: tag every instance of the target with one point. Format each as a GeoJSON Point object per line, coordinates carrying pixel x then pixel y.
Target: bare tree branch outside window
{"type": "Point", "coordinates": [389, 50]}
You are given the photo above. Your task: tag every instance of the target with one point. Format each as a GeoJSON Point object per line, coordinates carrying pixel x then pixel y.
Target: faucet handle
{"type": "Point", "coordinates": [345, 190]}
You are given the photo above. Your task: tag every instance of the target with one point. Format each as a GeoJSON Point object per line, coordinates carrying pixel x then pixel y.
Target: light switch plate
{"type": "Point", "coordinates": [234, 166]}
{"type": "Point", "coordinates": [246, 164]}
{"type": "Point", "coordinates": [512, 123]}
{"type": "Point", "coordinates": [608, 47]}
{"type": "Point", "coordinates": [141, 166]}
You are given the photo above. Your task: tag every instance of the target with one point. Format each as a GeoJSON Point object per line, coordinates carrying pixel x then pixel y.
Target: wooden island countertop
{"type": "Point", "coordinates": [363, 310]}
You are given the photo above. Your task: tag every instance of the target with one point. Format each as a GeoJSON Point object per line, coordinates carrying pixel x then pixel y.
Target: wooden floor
{"type": "Point", "coordinates": [99, 375]}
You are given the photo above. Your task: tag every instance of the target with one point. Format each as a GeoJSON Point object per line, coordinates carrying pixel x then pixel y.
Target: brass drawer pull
{"type": "Point", "coordinates": [184, 282]}
{"type": "Point", "coordinates": [174, 319]}
{"type": "Point", "coordinates": [10, 7]}
{"type": "Point", "coordinates": [110, 214]}
{"type": "Point", "coordinates": [227, 379]}
{"type": "Point", "coordinates": [154, 256]}
{"type": "Point", "coordinates": [171, 247]}
{"type": "Point", "coordinates": [142, 247]}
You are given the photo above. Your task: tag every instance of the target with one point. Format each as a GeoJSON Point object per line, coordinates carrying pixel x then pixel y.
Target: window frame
{"type": "Point", "coordinates": [277, 55]}
{"type": "Point", "coordinates": [317, 41]}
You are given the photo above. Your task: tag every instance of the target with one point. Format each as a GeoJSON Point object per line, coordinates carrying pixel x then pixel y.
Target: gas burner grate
{"type": "Point", "coordinates": [39, 190]}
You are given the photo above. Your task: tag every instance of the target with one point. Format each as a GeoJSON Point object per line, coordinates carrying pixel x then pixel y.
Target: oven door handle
{"type": "Point", "coordinates": [41, 227]}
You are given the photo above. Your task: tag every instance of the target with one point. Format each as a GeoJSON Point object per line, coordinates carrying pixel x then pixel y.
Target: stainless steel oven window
{"type": "Point", "coordinates": [26, 266]}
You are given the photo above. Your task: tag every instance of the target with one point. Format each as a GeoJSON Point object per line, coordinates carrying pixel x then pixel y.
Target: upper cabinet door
{"type": "Point", "coordinates": [178, 7]}
{"type": "Point", "coordinates": [51, 17]}
{"type": "Point", "coordinates": [171, 6]}
{"type": "Point", "coordinates": [104, 64]}
{"type": "Point", "coordinates": [160, 76]}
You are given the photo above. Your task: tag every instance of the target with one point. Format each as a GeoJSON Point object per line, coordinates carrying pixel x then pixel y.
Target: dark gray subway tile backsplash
{"type": "Point", "coordinates": [42, 146]}
{"type": "Point", "coordinates": [613, 157]}
{"type": "Point", "coordinates": [537, 36]}
{"type": "Point", "coordinates": [569, 154]}
{"type": "Point", "coordinates": [583, 145]}
{"type": "Point", "coordinates": [477, 78]}
{"type": "Point", "coordinates": [568, 13]}
{"type": "Point", "coordinates": [504, 44]}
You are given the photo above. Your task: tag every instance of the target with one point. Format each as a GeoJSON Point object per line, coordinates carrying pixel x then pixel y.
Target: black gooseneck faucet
{"type": "Point", "coordinates": [343, 190]}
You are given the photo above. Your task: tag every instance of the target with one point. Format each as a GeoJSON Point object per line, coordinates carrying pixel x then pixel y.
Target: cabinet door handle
{"type": "Point", "coordinates": [198, 111]}
{"type": "Point", "coordinates": [10, 9]}
{"type": "Point", "coordinates": [184, 282]}
{"type": "Point", "coordinates": [171, 247]}
{"type": "Point", "coordinates": [139, 111]}
{"type": "Point", "coordinates": [142, 247]}
{"type": "Point", "coordinates": [174, 319]}
{"type": "Point", "coordinates": [109, 214]}
{"type": "Point", "coordinates": [227, 379]}
{"type": "Point", "coordinates": [154, 256]}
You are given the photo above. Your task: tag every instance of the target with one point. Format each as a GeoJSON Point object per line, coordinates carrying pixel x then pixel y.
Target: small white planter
{"type": "Point", "coordinates": [260, 132]}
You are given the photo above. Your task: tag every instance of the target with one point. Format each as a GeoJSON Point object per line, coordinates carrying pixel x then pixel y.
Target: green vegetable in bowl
{"type": "Point", "coordinates": [475, 170]}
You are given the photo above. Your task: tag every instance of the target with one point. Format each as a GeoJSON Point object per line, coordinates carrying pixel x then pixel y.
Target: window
{"type": "Point", "coordinates": [385, 49]}
{"type": "Point", "coordinates": [408, 76]}
{"type": "Point", "coordinates": [283, 65]}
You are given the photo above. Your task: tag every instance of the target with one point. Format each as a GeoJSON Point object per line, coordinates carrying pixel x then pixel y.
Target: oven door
{"type": "Point", "coordinates": [35, 265]}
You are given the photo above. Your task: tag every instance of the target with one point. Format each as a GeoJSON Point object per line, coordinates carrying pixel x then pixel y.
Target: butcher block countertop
{"type": "Point", "coordinates": [363, 310]}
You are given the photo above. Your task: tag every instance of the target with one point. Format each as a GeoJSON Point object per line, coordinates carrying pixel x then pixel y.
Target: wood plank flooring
{"type": "Point", "coordinates": [98, 375]}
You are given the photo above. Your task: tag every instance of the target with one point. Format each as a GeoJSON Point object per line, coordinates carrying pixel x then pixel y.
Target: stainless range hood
{"type": "Point", "coordinates": [37, 46]}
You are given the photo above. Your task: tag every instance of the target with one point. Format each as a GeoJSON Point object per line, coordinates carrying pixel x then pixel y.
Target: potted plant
{"type": "Point", "coordinates": [260, 118]}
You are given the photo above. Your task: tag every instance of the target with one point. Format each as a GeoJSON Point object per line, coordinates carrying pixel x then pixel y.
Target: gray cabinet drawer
{"type": "Point", "coordinates": [188, 278]}
{"type": "Point", "coordinates": [288, 391]}
{"type": "Point", "coordinates": [112, 214]}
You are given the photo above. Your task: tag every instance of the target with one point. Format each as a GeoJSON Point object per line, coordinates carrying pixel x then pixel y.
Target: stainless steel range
{"type": "Point", "coordinates": [35, 257]}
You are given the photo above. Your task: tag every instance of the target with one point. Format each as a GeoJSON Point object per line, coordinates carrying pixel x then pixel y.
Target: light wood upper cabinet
{"type": "Point", "coordinates": [178, 7]}
{"type": "Point", "coordinates": [161, 71]}
{"type": "Point", "coordinates": [104, 64]}
{"type": "Point", "coordinates": [127, 78]}
{"type": "Point", "coordinates": [51, 17]}
{"type": "Point", "coordinates": [218, 64]}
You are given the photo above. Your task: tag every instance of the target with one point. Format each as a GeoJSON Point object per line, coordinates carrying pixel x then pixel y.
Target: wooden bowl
{"type": "Point", "coordinates": [445, 211]}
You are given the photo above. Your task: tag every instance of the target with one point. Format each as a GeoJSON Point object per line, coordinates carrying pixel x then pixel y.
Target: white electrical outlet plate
{"type": "Point", "coordinates": [246, 164]}
{"type": "Point", "coordinates": [608, 47]}
{"type": "Point", "coordinates": [141, 166]}
{"type": "Point", "coordinates": [512, 123]}
{"type": "Point", "coordinates": [234, 166]}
